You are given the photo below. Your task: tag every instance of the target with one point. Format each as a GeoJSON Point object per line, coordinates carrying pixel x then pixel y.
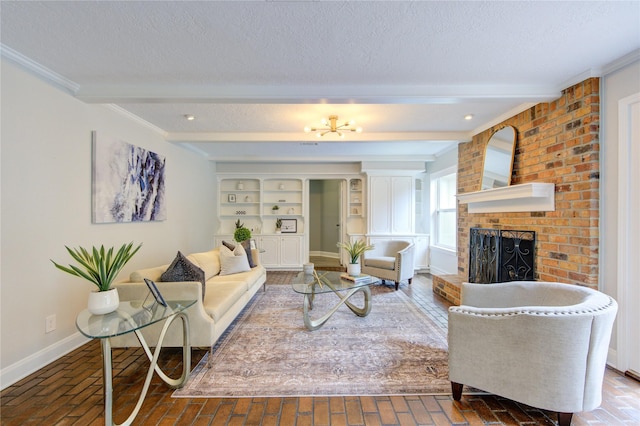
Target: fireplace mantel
{"type": "Point", "coordinates": [526, 197]}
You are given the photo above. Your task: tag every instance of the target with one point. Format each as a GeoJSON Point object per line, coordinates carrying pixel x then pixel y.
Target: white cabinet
{"type": "Point", "coordinates": [391, 205]}
{"type": "Point", "coordinates": [269, 247]}
{"type": "Point", "coordinates": [280, 251]}
{"type": "Point", "coordinates": [290, 252]}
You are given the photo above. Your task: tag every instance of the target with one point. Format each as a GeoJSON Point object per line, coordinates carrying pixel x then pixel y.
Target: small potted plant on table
{"type": "Point", "coordinates": [101, 267]}
{"type": "Point", "coordinates": [355, 249]}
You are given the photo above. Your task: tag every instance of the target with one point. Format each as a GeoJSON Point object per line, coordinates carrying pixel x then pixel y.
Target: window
{"type": "Point", "coordinates": [443, 202]}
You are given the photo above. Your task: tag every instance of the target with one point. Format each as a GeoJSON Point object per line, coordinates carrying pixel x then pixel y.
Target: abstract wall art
{"type": "Point", "coordinates": [128, 182]}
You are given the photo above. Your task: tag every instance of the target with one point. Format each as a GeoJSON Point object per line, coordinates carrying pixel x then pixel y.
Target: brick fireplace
{"type": "Point", "coordinates": [557, 142]}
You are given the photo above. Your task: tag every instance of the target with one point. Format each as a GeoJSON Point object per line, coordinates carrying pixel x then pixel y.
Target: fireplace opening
{"type": "Point", "coordinates": [501, 255]}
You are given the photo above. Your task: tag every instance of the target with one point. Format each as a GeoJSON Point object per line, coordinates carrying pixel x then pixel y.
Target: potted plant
{"type": "Point", "coordinates": [241, 234]}
{"type": "Point", "coordinates": [278, 225]}
{"type": "Point", "coordinates": [101, 267]}
{"type": "Point", "coordinates": [275, 209]}
{"type": "Point", "coordinates": [355, 250]}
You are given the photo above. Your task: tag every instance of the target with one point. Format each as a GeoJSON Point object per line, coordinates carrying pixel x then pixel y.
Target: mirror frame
{"type": "Point", "coordinates": [513, 152]}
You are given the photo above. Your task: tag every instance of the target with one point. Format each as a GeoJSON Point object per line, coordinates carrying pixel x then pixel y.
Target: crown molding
{"type": "Point", "coordinates": [135, 118]}
{"type": "Point", "coordinates": [39, 71]}
{"type": "Point", "coordinates": [310, 139]}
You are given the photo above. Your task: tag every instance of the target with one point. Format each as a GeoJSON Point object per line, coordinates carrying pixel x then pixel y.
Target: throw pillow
{"type": "Point", "coordinates": [233, 262]}
{"type": "Point", "coordinates": [247, 248]}
{"type": "Point", "coordinates": [181, 269]}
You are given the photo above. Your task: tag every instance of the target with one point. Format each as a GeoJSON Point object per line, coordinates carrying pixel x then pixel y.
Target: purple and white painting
{"type": "Point", "coordinates": [128, 182]}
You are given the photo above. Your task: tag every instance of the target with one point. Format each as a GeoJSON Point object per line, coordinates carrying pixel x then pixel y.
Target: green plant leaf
{"type": "Point", "coordinates": [98, 266]}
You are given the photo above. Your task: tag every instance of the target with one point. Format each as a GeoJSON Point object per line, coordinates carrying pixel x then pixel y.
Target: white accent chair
{"type": "Point", "coordinates": [389, 260]}
{"type": "Point", "coordinates": [538, 343]}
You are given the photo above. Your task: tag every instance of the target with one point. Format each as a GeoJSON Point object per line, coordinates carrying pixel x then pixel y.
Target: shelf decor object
{"type": "Point", "coordinates": [289, 226]}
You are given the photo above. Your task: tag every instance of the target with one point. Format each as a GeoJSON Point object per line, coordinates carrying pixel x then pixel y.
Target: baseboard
{"type": "Point", "coordinates": [612, 358]}
{"type": "Point", "coordinates": [325, 254]}
{"type": "Point", "coordinates": [21, 369]}
{"type": "Point", "coordinates": [436, 271]}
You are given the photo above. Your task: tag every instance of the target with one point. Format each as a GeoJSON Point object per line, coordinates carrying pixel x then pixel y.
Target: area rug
{"type": "Point", "coordinates": [395, 350]}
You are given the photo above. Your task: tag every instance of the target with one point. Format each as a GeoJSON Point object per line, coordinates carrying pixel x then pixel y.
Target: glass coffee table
{"type": "Point", "coordinates": [131, 317]}
{"type": "Point", "coordinates": [331, 282]}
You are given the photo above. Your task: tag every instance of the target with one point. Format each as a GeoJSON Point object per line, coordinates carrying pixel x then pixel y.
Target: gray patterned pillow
{"type": "Point", "coordinates": [181, 269]}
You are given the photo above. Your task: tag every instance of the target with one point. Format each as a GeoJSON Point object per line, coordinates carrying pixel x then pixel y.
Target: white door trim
{"type": "Point", "coordinates": [627, 255]}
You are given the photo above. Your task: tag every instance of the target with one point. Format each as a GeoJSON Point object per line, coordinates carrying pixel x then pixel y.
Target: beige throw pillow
{"type": "Point", "coordinates": [233, 262]}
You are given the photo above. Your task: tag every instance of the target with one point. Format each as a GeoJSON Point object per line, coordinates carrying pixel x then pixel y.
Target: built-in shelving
{"type": "Point", "coordinates": [284, 193]}
{"type": "Point", "coordinates": [355, 197]}
{"type": "Point", "coordinates": [239, 197]}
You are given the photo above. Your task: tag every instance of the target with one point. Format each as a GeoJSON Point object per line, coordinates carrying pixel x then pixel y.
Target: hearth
{"type": "Point", "coordinates": [497, 255]}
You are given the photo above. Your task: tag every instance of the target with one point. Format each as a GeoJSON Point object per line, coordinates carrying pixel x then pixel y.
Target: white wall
{"type": "Point", "coordinates": [46, 204]}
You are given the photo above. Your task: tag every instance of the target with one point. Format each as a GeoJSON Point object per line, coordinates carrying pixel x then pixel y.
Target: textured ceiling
{"type": "Point", "coordinates": [255, 73]}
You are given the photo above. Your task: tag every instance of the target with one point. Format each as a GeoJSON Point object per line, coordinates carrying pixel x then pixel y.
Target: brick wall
{"type": "Point", "coordinates": [556, 142]}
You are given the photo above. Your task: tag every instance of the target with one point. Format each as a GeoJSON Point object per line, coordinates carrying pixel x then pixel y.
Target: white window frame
{"type": "Point", "coordinates": [435, 207]}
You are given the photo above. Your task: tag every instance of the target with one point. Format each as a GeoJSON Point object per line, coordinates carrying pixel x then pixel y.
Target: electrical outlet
{"type": "Point", "coordinates": [50, 323]}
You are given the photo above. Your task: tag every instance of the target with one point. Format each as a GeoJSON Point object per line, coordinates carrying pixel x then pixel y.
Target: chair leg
{"type": "Point", "coordinates": [397, 285]}
{"type": "Point", "coordinates": [564, 419]}
{"type": "Point", "coordinates": [456, 390]}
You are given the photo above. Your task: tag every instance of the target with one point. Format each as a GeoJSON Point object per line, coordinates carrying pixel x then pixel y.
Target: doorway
{"type": "Point", "coordinates": [325, 222]}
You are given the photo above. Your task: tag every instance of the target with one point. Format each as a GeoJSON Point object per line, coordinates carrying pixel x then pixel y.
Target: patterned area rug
{"type": "Point", "coordinates": [395, 350]}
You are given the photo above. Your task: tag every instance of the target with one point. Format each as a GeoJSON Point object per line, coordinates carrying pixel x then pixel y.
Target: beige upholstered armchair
{"type": "Point", "coordinates": [538, 343]}
{"type": "Point", "coordinates": [389, 260]}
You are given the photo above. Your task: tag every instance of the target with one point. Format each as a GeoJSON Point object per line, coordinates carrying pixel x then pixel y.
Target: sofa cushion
{"type": "Point", "coordinates": [208, 261]}
{"type": "Point", "coordinates": [181, 269]}
{"type": "Point", "coordinates": [233, 262]}
{"type": "Point", "coordinates": [221, 297]}
{"type": "Point", "coordinates": [384, 262]}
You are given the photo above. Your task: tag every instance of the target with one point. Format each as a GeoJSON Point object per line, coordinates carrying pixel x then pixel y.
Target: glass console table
{"type": "Point", "coordinates": [331, 282]}
{"type": "Point", "coordinates": [131, 317]}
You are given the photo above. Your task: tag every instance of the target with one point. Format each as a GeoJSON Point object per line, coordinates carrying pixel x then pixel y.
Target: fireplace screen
{"type": "Point", "coordinates": [501, 255]}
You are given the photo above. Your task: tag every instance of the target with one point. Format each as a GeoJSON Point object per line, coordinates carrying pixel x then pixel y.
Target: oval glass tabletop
{"type": "Point", "coordinates": [329, 281]}
{"type": "Point", "coordinates": [130, 316]}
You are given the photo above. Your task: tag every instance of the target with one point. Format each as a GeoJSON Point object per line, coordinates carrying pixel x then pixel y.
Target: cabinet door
{"type": "Point", "coordinates": [402, 207]}
{"type": "Point", "coordinates": [271, 254]}
{"type": "Point", "coordinates": [290, 251]}
{"type": "Point", "coordinates": [380, 205]}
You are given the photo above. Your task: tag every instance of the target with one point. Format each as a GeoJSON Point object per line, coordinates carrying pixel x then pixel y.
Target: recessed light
{"type": "Point", "coordinates": [190, 117]}
{"type": "Point", "coordinates": [468, 116]}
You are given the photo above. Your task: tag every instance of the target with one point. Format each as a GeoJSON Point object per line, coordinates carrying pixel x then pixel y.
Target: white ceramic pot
{"type": "Point", "coordinates": [353, 269]}
{"type": "Point", "coordinates": [103, 302]}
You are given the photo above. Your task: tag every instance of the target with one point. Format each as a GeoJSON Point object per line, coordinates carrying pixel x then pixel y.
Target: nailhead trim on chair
{"type": "Point", "coordinates": [464, 310]}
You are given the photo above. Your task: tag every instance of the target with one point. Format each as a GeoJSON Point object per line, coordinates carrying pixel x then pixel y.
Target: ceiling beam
{"type": "Point", "coordinates": [294, 94]}
{"type": "Point", "coordinates": [304, 137]}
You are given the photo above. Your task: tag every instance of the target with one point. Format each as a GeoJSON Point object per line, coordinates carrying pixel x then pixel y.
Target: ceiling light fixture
{"type": "Point", "coordinates": [190, 117]}
{"type": "Point", "coordinates": [331, 126]}
{"type": "Point", "coordinates": [468, 116]}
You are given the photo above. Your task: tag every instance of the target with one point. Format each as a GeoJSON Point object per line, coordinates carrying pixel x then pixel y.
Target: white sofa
{"type": "Point", "coordinates": [225, 297]}
{"type": "Point", "coordinates": [538, 343]}
{"type": "Point", "coordinates": [389, 260]}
